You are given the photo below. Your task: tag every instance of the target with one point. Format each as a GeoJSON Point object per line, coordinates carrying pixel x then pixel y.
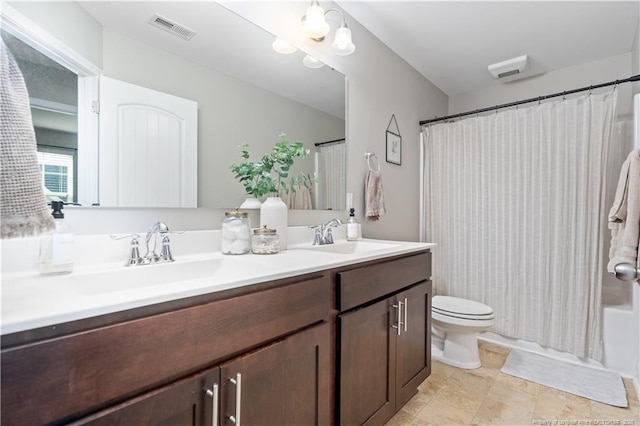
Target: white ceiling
{"type": "Point", "coordinates": [452, 43]}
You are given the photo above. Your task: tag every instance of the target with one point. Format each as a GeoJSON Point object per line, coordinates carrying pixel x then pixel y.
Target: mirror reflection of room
{"type": "Point", "coordinates": [241, 99]}
{"type": "Point", "coordinates": [53, 95]}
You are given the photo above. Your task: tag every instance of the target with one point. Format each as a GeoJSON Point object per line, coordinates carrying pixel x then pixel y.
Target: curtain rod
{"type": "Point", "coordinates": [525, 101]}
{"type": "Point", "coordinates": [327, 142]}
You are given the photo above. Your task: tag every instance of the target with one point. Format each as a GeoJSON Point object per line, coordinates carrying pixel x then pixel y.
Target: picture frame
{"type": "Point", "coordinates": [394, 148]}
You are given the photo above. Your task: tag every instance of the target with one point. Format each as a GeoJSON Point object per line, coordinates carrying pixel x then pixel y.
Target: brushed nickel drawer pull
{"type": "Point", "coordinates": [215, 396]}
{"type": "Point", "coordinates": [238, 382]}
{"type": "Point", "coordinates": [399, 326]}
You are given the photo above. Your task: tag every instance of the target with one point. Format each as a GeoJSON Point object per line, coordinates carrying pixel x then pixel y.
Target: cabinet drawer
{"type": "Point", "coordinates": [361, 285]}
{"type": "Point", "coordinates": [95, 368]}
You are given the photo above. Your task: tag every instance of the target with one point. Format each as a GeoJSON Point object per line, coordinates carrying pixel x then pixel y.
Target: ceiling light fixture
{"type": "Point", "coordinates": [282, 46]}
{"type": "Point", "coordinates": [315, 27]}
{"type": "Point", "coordinates": [311, 62]}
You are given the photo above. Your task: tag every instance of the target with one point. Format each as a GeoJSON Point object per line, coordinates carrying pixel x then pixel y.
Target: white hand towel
{"type": "Point", "coordinates": [374, 195]}
{"type": "Point", "coordinates": [624, 216]}
{"type": "Point", "coordinates": [23, 207]}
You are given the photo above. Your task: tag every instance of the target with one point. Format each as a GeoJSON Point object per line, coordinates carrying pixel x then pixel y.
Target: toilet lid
{"type": "Point", "coordinates": [461, 308]}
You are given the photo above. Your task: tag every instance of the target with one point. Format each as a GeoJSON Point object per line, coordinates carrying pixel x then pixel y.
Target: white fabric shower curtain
{"type": "Point", "coordinates": [515, 201]}
{"type": "Point", "coordinates": [331, 188]}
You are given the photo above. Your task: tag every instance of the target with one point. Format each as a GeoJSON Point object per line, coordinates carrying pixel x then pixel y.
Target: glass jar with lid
{"type": "Point", "coordinates": [236, 233]}
{"type": "Point", "coordinates": [265, 241]}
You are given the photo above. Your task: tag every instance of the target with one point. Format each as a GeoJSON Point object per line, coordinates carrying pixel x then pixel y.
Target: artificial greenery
{"type": "Point", "coordinates": [269, 174]}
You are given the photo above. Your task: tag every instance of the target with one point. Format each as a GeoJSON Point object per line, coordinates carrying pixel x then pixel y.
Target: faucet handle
{"type": "Point", "coordinates": [165, 255]}
{"type": "Point", "coordinates": [328, 238]}
{"type": "Point", "coordinates": [317, 238]}
{"type": "Point", "coordinates": [134, 252]}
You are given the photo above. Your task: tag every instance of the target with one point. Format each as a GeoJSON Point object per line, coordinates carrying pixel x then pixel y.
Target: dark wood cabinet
{"type": "Point", "coordinates": [384, 346]}
{"type": "Point", "coordinates": [345, 346]}
{"type": "Point", "coordinates": [282, 384]}
{"type": "Point", "coordinates": [104, 374]}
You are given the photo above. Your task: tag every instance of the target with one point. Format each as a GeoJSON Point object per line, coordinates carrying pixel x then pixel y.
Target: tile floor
{"type": "Point", "coordinates": [452, 396]}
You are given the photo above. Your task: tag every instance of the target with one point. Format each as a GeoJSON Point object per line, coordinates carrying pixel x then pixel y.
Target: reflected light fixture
{"type": "Point", "coordinates": [315, 27]}
{"type": "Point", "coordinates": [282, 46]}
{"type": "Point", "coordinates": [311, 62]}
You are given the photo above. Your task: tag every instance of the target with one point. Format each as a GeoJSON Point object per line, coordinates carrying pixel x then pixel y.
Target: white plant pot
{"type": "Point", "coordinates": [251, 203]}
{"type": "Point", "coordinates": [274, 214]}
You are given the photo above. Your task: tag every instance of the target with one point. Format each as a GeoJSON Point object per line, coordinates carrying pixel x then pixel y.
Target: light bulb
{"type": "Point", "coordinates": [342, 44]}
{"type": "Point", "coordinates": [311, 62]}
{"type": "Point", "coordinates": [282, 46]}
{"type": "Point", "coordinates": [314, 25]}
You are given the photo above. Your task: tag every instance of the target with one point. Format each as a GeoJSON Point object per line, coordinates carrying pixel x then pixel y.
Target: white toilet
{"type": "Point", "coordinates": [455, 324]}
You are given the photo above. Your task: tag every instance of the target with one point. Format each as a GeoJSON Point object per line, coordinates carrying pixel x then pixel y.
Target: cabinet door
{"type": "Point", "coordinates": [286, 383]}
{"type": "Point", "coordinates": [366, 339]}
{"type": "Point", "coordinates": [413, 348]}
{"type": "Point", "coordinates": [171, 405]}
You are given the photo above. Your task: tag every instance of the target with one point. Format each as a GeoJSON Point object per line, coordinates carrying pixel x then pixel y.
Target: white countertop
{"type": "Point", "coordinates": [31, 301]}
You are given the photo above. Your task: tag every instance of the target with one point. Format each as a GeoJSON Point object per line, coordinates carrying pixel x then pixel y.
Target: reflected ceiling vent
{"type": "Point", "coordinates": [508, 68]}
{"type": "Point", "coordinates": [172, 27]}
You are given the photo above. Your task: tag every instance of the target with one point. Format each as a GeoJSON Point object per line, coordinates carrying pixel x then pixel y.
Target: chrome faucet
{"type": "Point", "coordinates": [158, 228]}
{"type": "Point", "coordinates": [323, 233]}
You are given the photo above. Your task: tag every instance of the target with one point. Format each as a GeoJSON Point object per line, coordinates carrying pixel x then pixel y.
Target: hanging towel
{"type": "Point", "coordinates": [23, 207]}
{"type": "Point", "coordinates": [624, 216]}
{"type": "Point", "coordinates": [374, 195]}
{"type": "Point", "coordinates": [300, 199]}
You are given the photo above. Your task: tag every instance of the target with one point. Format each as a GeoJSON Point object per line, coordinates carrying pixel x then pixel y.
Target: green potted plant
{"type": "Point", "coordinates": [268, 176]}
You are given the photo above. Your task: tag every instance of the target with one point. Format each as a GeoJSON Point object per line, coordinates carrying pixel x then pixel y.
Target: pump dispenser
{"type": "Point", "coordinates": [56, 248]}
{"type": "Point", "coordinates": [353, 227]}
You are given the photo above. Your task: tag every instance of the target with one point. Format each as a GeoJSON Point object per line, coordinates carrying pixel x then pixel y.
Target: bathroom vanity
{"type": "Point", "coordinates": [322, 336]}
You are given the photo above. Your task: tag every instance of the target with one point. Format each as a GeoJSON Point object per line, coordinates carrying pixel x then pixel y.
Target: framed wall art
{"type": "Point", "coordinates": [394, 143]}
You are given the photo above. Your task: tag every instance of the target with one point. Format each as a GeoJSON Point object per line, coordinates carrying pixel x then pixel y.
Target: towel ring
{"type": "Point", "coordinates": [368, 156]}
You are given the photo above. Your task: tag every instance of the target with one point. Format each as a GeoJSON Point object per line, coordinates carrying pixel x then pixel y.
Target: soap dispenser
{"type": "Point", "coordinates": [56, 248]}
{"type": "Point", "coordinates": [353, 227]}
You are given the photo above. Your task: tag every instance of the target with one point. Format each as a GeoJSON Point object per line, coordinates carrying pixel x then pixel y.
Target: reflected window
{"type": "Point", "coordinates": [57, 169]}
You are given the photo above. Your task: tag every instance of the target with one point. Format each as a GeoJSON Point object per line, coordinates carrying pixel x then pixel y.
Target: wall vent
{"type": "Point", "coordinates": [510, 67]}
{"type": "Point", "coordinates": [172, 27]}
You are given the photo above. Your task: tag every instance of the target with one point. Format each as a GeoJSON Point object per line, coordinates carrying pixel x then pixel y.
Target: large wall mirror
{"type": "Point", "coordinates": [247, 93]}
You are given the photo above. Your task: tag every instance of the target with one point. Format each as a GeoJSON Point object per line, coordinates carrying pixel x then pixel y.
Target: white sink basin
{"type": "Point", "coordinates": [159, 274]}
{"type": "Point", "coordinates": [352, 247]}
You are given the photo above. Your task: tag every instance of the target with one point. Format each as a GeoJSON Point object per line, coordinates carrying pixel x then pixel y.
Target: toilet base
{"type": "Point", "coordinates": [457, 350]}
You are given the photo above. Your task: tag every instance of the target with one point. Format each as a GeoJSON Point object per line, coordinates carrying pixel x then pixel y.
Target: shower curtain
{"type": "Point", "coordinates": [330, 169]}
{"type": "Point", "coordinates": [515, 201]}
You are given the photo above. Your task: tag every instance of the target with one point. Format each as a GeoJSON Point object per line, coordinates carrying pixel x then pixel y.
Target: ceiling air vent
{"type": "Point", "coordinates": [172, 27]}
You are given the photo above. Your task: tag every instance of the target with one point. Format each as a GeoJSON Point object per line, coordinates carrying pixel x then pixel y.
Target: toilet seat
{"type": "Point", "coordinates": [455, 307]}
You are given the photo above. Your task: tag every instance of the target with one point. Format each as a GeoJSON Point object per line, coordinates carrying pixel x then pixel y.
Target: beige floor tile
{"type": "Point", "coordinates": [631, 391]}
{"type": "Point", "coordinates": [438, 377]}
{"type": "Point", "coordinates": [464, 391]}
{"type": "Point", "coordinates": [440, 413]}
{"type": "Point", "coordinates": [440, 368]}
{"type": "Point", "coordinates": [553, 404]}
{"type": "Point", "coordinates": [489, 346]}
{"type": "Point", "coordinates": [517, 383]}
{"type": "Point", "coordinates": [505, 405]}
{"type": "Point", "coordinates": [605, 412]}
{"type": "Point", "coordinates": [417, 403]}
{"type": "Point", "coordinates": [401, 419]}
{"type": "Point", "coordinates": [492, 359]}
{"type": "Point", "coordinates": [484, 396]}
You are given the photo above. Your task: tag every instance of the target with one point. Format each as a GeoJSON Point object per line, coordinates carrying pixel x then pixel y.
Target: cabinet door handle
{"type": "Point", "coordinates": [238, 382]}
{"type": "Point", "coordinates": [214, 393]}
{"type": "Point", "coordinates": [399, 326]}
{"type": "Point", "coordinates": [406, 319]}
